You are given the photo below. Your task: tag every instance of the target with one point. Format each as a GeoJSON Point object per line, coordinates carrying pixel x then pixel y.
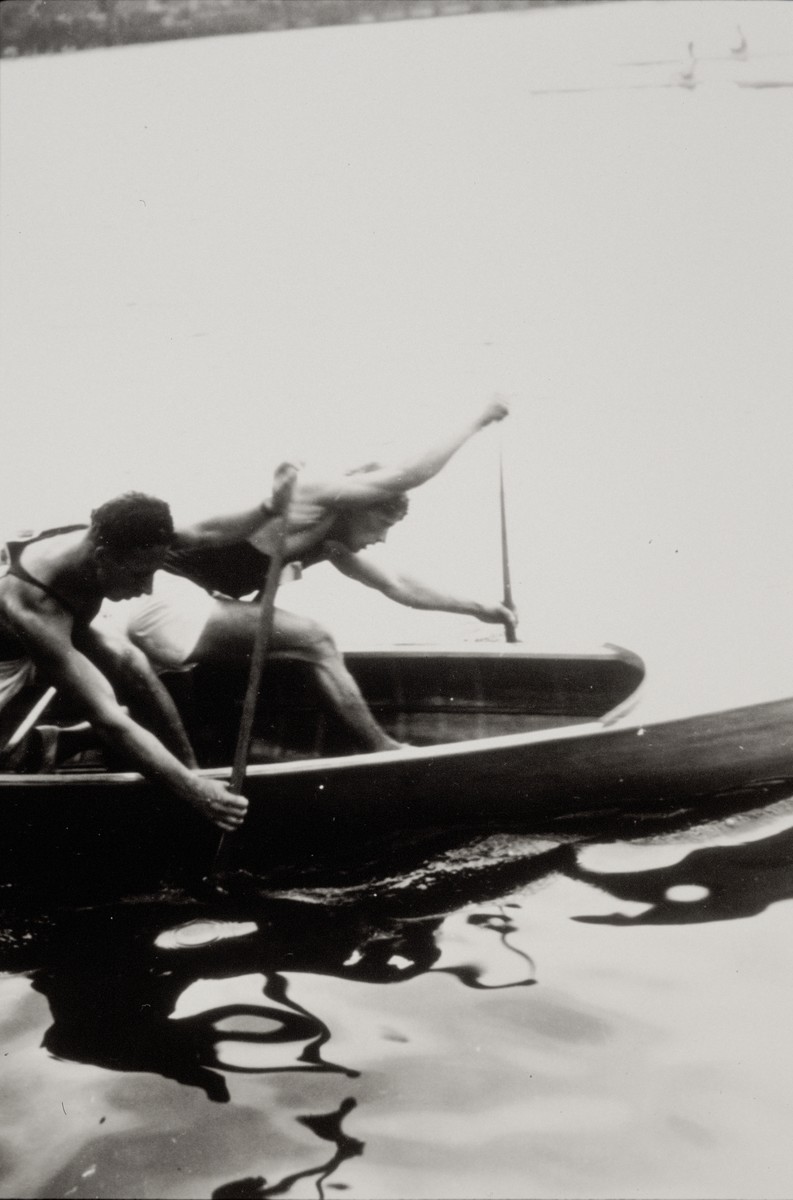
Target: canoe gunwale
{"type": "Point", "coordinates": [347, 762]}
{"type": "Point", "coordinates": [601, 730]}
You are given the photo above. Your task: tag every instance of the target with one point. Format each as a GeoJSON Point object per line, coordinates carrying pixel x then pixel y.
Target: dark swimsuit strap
{"type": "Point", "coordinates": [16, 569]}
{"type": "Point", "coordinates": [20, 572]}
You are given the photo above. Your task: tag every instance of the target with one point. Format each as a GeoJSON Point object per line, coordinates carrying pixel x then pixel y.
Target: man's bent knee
{"type": "Point", "coordinates": [307, 640]}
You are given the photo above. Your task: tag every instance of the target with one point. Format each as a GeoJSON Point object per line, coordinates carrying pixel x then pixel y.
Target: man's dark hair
{"type": "Point", "coordinates": [393, 508]}
{"type": "Point", "coordinates": [132, 521]}
{"type": "Point", "coordinates": [390, 508]}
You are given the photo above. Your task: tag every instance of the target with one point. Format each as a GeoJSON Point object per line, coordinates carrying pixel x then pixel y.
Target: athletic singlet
{"type": "Point", "coordinates": [235, 570]}
{"type": "Point", "coordinates": [10, 645]}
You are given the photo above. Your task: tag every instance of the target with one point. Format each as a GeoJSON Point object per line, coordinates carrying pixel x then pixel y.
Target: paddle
{"type": "Point", "coordinates": [509, 632]}
{"type": "Point", "coordinates": [281, 500]}
{"type": "Point", "coordinates": [29, 720]}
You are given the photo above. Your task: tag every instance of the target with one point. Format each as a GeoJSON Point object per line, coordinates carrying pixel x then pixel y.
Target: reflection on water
{"type": "Point", "coordinates": [193, 1009]}
{"type": "Point", "coordinates": [204, 995]}
{"type": "Point", "coordinates": [204, 999]}
{"type": "Point", "coordinates": [716, 883]}
{"type": "Point", "coordinates": [326, 1126]}
{"type": "Point", "coordinates": [467, 950]}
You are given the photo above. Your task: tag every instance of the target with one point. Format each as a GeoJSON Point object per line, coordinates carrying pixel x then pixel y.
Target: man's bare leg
{"type": "Point", "coordinates": [229, 635]}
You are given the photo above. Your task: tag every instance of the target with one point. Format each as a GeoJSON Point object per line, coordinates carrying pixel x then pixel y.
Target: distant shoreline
{"type": "Point", "coordinates": [37, 27]}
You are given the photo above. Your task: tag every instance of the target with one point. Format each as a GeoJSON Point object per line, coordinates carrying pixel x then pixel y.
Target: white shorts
{"type": "Point", "coordinates": [15, 674]}
{"type": "Point", "coordinates": [166, 625]}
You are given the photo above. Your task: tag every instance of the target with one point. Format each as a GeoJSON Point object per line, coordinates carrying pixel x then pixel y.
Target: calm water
{"type": "Point", "coordinates": [330, 243]}
{"type": "Point", "coordinates": [512, 1018]}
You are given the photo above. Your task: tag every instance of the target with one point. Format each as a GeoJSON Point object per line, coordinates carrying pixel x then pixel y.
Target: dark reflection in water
{"type": "Point", "coordinates": [196, 992]}
{"type": "Point", "coordinates": [133, 1029]}
{"type": "Point", "coordinates": [326, 1126]}
{"type": "Point", "coordinates": [716, 883]}
{"type": "Point", "coordinates": [471, 974]}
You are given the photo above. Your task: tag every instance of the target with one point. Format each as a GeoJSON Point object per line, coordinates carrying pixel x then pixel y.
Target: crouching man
{"type": "Point", "coordinates": [52, 589]}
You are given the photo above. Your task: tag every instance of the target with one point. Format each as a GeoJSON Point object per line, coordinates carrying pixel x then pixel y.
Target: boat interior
{"type": "Point", "coordinates": [420, 696]}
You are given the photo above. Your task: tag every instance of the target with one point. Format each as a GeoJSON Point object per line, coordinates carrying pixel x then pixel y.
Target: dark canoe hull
{"type": "Point", "coordinates": [581, 761]}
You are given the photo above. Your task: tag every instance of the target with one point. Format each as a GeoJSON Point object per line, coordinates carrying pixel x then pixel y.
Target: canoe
{"type": "Point", "coordinates": [501, 738]}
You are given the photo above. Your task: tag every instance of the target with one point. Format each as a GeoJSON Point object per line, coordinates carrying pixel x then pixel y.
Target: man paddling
{"type": "Point", "coordinates": [50, 593]}
{"type": "Point", "coordinates": [196, 614]}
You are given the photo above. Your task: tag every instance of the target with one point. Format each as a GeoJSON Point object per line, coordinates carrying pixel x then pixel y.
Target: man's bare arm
{"type": "Point", "coordinates": [369, 486]}
{"type": "Point", "coordinates": [237, 527]}
{"type": "Point", "coordinates": [46, 632]}
{"type": "Point", "coordinates": [414, 593]}
{"type": "Point", "coordinates": [225, 528]}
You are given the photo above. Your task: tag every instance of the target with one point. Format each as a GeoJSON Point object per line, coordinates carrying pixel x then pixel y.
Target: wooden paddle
{"type": "Point", "coordinates": [30, 719]}
{"type": "Point", "coordinates": [282, 498]}
{"type": "Point", "coordinates": [509, 632]}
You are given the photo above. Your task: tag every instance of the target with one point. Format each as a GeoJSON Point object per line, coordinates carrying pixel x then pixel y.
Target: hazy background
{"type": "Point", "coordinates": [332, 243]}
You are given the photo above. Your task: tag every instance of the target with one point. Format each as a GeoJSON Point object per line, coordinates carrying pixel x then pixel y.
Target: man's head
{"type": "Point", "coordinates": [131, 535]}
{"type": "Point", "coordinates": [359, 528]}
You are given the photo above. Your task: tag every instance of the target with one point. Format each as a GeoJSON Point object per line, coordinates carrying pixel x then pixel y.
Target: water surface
{"type": "Point", "coordinates": [513, 1017]}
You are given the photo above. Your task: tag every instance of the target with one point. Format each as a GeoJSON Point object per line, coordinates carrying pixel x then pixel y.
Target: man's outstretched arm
{"type": "Point", "coordinates": [234, 527]}
{"type": "Point", "coordinates": [47, 638]}
{"type": "Point", "coordinates": [366, 487]}
{"type": "Point", "coordinates": [225, 528]}
{"type": "Point", "coordinates": [415, 593]}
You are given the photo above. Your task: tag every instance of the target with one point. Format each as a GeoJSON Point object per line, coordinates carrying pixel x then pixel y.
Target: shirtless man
{"type": "Point", "coordinates": [331, 519]}
{"type": "Point", "coordinates": [49, 595]}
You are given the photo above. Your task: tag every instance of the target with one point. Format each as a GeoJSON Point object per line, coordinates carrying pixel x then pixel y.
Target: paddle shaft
{"type": "Point", "coordinates": [258, 657]}
{"type": "Point", "coordinates": [30, 720]}
{"type": "Point", "coordinates": [509, 632]}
